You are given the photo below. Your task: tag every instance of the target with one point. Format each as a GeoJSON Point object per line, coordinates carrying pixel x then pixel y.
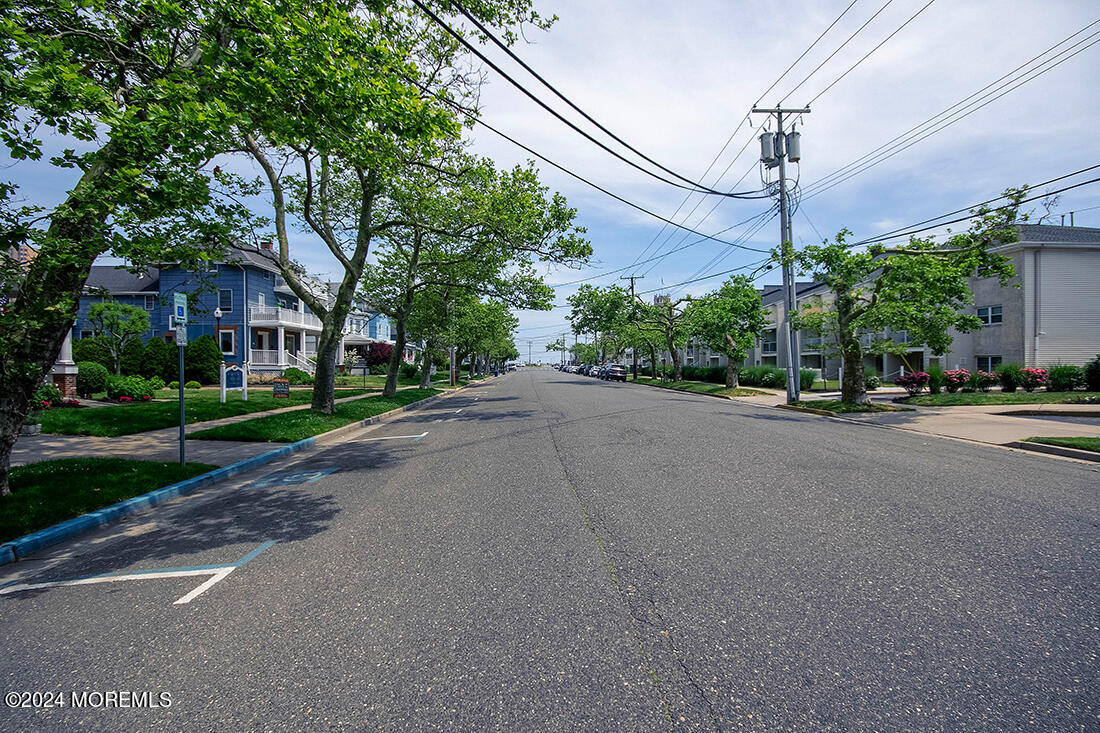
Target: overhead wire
{"type": "Point", "coordinates": [692, 185]}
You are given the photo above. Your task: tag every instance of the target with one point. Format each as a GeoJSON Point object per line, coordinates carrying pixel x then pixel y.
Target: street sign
{"type": "Point", "coordinates": [181, 334]}
{"type": "Point", "coordinates": [180, 311]}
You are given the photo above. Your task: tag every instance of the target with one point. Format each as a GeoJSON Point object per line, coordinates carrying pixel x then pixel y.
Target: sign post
{"type": "Point", "coordinates": [232, 377]}
{"type": "Point", "coordinates": [180, 318]}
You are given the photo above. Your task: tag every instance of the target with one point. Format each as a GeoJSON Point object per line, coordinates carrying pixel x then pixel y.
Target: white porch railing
{"type": "Point", "coordinates": [269, 314]}
{"type": "Point", "coordinates": [264, 357]}
{"type": "Point", "coordinates": [297, 359]}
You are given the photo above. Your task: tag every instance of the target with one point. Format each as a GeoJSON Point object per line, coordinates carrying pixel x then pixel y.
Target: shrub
{"type": "Point", "coordinates": [982, 381]}
{"type": "Point", "coordinates": [173, 385]}
{"type": "Point", "coordinates": [955, 379]}
{"type": "Point", "coordinates": [871, 382]}
{"type": "Point", "coordinates": [806, 378]}
{"type": "Point", "coordinates": [294, 375]}
{"type": "Point", "coordinates": [156, 383]}
{"type": "Point", "coordinates": [202, 360]}
{"type": "Point", "coordinates": [1065, 378]}
{"type": "Point", "coordinates": [379, 368]}
{"type": "Point", "coordinates": [937, 379]}
{"type": "Point", "coordinates": [128, 389]}
{"type": "Point", "coordinates": [133, 358]}
{"type": "Point", "coordinates": [161, 360]}
{"type": "Point", "coordinates": [774, 377]}
{"type": "Point", "coordinates": [1011, 377]}
{"type": "Point", "coordinates": [913, 382]}
{"type": "Point", "coordinates": [94, 349]}
{"type": "Point", "coordinates": [408, 371]}
{"type": "Point", "coordinates": [91, 378]}
{"type": "Point", "coordinates": [191, 385]}
{"type": "Point", "coordinates": [46, 395]}
{"type": "Point", "coordinates": [1033, 378]}
{"type": "Point", "coordinates": [1092, 375]}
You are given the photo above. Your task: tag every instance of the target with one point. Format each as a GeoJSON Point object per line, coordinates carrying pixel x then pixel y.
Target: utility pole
{"type": "Point", "coordinates": [564, 348]}
{"type": "Point", "coordinates": [529, 361]}
{"type": "Point", "coordinates": [775, 149]}
{"type": "Point", "coordinates": [634, 309]}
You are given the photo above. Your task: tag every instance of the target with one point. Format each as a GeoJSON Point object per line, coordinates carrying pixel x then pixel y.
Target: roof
{"type": "Point", "coordinates": [774, 293]}
{"type": "Point", "coordinates": [1049, 233]}
{"type": "Point", "coordinates": [117, 279]}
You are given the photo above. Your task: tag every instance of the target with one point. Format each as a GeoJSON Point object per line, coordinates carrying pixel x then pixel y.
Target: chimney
{"type": "Point", "coordinates": [266, 244]}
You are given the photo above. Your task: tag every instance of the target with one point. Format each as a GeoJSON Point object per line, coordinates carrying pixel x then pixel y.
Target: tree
{"type": "Point", "coordinates": [598, 310]}
{"type": "Point", "coordinates": [922, 288]}
{"type": "Point", "coordinates": [386, 112]}
{"type": "Point", "coordinates": [119, 325]}
{"type": "Point", "coordinates": [463, 225]}
{"type": "Point", "coordinates": [202, 360]}
{"type": "Point", "coordinates": [729, 320]}
{"type": "Point", "coordinates": [161, 360]}
{"type": "Point", "coordinates": [149, 92]}
{"type": "Point", "coordinates": [378, 352]}
{"type": "Point", "coordinates": [666, 318]}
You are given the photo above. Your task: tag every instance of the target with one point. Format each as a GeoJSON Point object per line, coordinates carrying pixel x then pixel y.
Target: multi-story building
{"type": "Point", "coordinates": [242, 301]}
{"type": "Point", "coordinates": [1048, 314]}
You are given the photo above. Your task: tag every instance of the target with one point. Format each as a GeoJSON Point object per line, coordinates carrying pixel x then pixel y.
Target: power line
{"type": "Point", "coordinates": [880, 45]}
{"type": "Point", "coordinates": [599, 188]}
{"type": "Point", "coordinates": [693, 185]}
{"type": "Point", "coordinates": [911, 232]}
{"type": "Point", "coordinates": [922, 131]}
{"type": "Point", "coordinates": [834, 53]}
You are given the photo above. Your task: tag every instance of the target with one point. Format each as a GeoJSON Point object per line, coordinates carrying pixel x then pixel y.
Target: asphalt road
{"type": "Point", "coordinates": [559, 553]}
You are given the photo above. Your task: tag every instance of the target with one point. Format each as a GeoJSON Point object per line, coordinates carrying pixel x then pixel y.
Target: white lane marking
{"type": "Point", "coordinates": [397, 437]}
{"type": "Point", "coordinates": [219, 575]}
{"type": "Point", "coordinates": [438, 419]}
{"type": "Point", "coordinates": [459, 410]}
{"type": "Point", "coordinates": [108, 579]}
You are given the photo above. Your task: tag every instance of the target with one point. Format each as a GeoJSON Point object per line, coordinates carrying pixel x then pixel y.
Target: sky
{"type": "Point", "coordinates": [677, 80]}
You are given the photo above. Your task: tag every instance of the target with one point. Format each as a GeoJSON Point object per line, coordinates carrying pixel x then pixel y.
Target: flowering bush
{"type": "Point", "coordinates": [1033, 378]}
{"type": "Point", "coordinates": [984, 380]}
{"type": "Point", "coordinates": [955, 379]}
{"type": "Point", "coordinates": [45, 396]}
{"type": "Point", "coordinates": [913, 382]}
{"type": "Point", "coordinates": [130, 388]}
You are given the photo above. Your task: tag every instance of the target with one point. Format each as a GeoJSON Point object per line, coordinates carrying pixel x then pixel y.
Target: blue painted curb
{"type": "Point", "coordinates": [24, 546]}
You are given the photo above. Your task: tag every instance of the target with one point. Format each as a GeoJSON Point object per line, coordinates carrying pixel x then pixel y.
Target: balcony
{"type": "Point", "coordinates": [268, 315]}
{"type": "Point", "coordinates": [811, 345]}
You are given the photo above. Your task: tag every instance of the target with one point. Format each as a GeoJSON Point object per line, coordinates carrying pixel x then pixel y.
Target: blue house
{"type": "Point", "coordinates": [242, 302]}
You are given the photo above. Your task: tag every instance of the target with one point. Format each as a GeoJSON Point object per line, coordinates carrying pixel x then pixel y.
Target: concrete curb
{"type": "Point", "coordinates": [699, 394]}
{"type": "Point", "coordinates": [23, 546]}
{"type": "Point", "coordinates": [1055, 450]}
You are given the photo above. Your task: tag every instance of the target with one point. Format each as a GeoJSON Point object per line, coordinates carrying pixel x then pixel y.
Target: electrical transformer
{"type": "Point", "coordinates": [794, 146]}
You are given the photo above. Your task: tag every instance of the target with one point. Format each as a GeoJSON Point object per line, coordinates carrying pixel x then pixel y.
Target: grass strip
{"type": "Point", "coordinates": [837, 407]}
{"type": "Point", "coordinates": [1089, 444]}
{"type": "Point", "coordinates": [997, 398]}
{"type": "Point", "coordinates": [701, 387]}
{"type": "Point", "coordinates": [289, 427]}
{"type": "Point", "coordinates": [49, 492]}
{"type": "Point", "coordinates": [139, 417]}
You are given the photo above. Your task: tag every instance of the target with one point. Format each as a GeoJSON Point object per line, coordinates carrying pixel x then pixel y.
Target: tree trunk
{"type": "Point", "coordinates": [324, 381]}
{"type": "Point", "coordinates": [732, 372]}
{"type": "Point", "coordinates": [652, 361]}
{"type": "Point", "coordinates": [397, 357]}
{"type": "Point", "coordinates": [853, 388]}
{"type": "Point", "coordinates": [677, 371]}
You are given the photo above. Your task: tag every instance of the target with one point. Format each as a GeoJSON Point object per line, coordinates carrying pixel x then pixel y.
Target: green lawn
{"type": "Point", "coordinates": [996, 398]}
{"type": "Point", "coordinates": [838, 407]}
{"type": "Point", "coordinates": [49, 492]}
{"type": "Point", "coordinates": [1092, 444]}
{"type": "Point", "coordinates": [375, 381]}
{"type": "Point", "coordinates": [139, 417]}
{"type": "Point", "coordinates": [702, 387]}
{"type": "Point", "coordinates": [289, 427]}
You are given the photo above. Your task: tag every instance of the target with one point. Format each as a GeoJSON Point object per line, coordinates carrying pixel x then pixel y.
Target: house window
{"type": "Point", "coordinates": [987, 363]}
{"type": "Point", "coordinates": [990, 315]}
{"type": "Point", "coordinates": [225, 300]}
{"type": "Point", "coordinates": [769, 343]}
{"type": "Point", "coordinates": [227, 340]}
{"type": "Point", "coordinates": [86, 334]}
{"type": "Point", "coordinates": [261, 299]}
{"type": "Point", "coordinates": [150, 302]}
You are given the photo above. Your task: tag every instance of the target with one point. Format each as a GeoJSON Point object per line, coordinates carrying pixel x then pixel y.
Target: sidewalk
{"type": "Point", "coordinates": [154, 445]}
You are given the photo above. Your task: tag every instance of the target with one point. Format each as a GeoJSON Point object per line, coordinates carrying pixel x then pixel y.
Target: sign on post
{"type": "Point", "coordinates": [232, 377]}
{"type": "Point", "coordinates": [281, 388]}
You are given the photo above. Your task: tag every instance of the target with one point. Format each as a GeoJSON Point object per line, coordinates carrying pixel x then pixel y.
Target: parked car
{"type": "Point", "coordinates": [616, 372]}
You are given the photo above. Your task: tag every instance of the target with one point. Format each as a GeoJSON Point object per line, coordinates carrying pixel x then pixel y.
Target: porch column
{"type": "Point", "coordinates": [281, 346]}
